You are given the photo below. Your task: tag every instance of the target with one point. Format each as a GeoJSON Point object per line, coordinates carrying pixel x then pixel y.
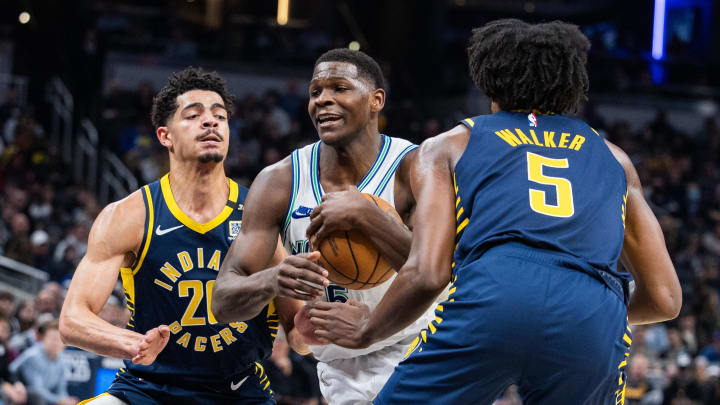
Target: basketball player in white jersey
{"type": "Point", "coordinates": [352, 157]}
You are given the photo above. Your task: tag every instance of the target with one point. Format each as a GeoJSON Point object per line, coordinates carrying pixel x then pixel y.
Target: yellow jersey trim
{"type": "Point", "coordinates": [148, 231]}
{"type": "Point", "coordinates": [93, 398]}
{"type": "Point", "coordinates": [189, 222]}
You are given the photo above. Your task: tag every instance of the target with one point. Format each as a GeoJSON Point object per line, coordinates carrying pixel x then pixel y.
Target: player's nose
{"type": "Point", "coordinates": [324, 98]}
{"type": "Point", "coordinates": [209, 121]}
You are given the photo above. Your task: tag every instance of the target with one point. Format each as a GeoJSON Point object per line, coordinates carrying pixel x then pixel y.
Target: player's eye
{"type": "Point", "coordinates": [220, 117]}
{"type": "Point", "coordinates": [192, 116]}
{"type": "Point", "coordinates": [314, 93]}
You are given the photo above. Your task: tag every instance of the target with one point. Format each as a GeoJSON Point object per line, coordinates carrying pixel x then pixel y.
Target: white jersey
{"type": "Point", "coordinates": [307, 193]}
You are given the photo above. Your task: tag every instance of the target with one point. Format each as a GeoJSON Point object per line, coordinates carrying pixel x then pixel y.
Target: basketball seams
{"type": "Point", "coordinates": [352, 254]}
{"type": "Point", "coordinates": [325, 259]}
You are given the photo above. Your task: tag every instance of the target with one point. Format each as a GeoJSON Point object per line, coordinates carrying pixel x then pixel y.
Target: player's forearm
{"type": "Point", "coordinates": [650, 307]}
{"type": "Point", "coordinates": [391, 238]}
{"type": "Point", "coordinates": [84, 329]}
{"type": "Point", "coordinates": [412, 294]}
{"type": "Point", "coordinates": [239, 298]}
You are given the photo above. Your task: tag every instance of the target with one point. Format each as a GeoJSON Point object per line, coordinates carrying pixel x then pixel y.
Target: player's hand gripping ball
{"type": "Point", "coordinates": [350, 257]}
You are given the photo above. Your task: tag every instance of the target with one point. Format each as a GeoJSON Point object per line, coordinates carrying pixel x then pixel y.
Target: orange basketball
{"type": "Point", "coordinates": [352, 260]}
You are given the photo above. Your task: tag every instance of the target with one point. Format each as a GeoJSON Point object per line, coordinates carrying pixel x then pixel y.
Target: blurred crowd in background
{"type": "Point", "coordinates": [45, 223]}
{"type": "Point", "coordinates": [45, 219]}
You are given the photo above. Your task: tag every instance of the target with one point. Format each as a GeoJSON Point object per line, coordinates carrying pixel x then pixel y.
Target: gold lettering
{"type": "Point", "coordinates": [175, 327]}
{"type": "Point", "coordinates": [201, 259]}
{"type": "Point", "coordinates": [508, 137]}
{"type": "Point", "coordinates": [184, 340]}
{"type": "Point", "coordinates": [549, 141]}
{"type": "Point", "coordinates": [200, 343]}
{"type": "Point", "coordinates": [563, 140]}
{"type": "Point", "coordinates": [577, 142]}
{"type": "Point", "coordinates": [532, 133]}
{"type": "Point", "coordinates": [239, 326]}
{"type": "Point", "coordinates": [185, 261]}
{"type": "Point", "coordinates": [227, 335]}
{"type": "Point", "coordinates": [214, 261]}
{"type": "Point", "coordinates": [215, 343]}
{"type": "Point", "coordinates": [523, 137]}
{"type": "Point", "coordinates": [169, 271]}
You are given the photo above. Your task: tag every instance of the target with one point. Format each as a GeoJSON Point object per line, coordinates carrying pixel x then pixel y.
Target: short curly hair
{"type": "Point", "coordinates": [530, 67]}
{"type": "Point", "coordinates": [191, 78]}
{"type": "Point", "coordinates": [366, 66]}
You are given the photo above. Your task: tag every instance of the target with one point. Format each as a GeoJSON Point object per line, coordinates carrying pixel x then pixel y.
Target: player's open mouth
{"type": "Point", "coordinates": [327, 120]}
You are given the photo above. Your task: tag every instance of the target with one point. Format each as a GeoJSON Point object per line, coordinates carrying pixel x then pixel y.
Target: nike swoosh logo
{"type": "Point", "coordinates": [302, 212]}
{"type": "Point", "coordinates": [234, 386]}
{"type": "Point", "coordinates": [160, 232]}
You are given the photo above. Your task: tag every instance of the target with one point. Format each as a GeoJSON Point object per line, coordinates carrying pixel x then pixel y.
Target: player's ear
{"type": "Point", "coordinates": [377, 100]}
{"type": "Point", "coordinates": [164, 136]}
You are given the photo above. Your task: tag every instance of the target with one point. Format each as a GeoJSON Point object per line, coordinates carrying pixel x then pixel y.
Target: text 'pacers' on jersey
{"type": "Point", "coordinates": [554, 184]}
{"type": "Point", "coordinates": [171, 283]}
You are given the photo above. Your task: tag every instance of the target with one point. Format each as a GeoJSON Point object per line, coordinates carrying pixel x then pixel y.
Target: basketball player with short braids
{"type": "Point", "coordinates": [528, 211]}
{"type": "Point", "coordinates": [346, 95]}
{"type": "Point", "coordinates": [167, 241]}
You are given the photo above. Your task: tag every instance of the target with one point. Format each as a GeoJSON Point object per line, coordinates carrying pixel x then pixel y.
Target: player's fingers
{"type": "Point", "coordinates": [315, 223]}
{"type": "Point", "coordinates": [311, 256]}
{"type": "Point", "coordinates": [316, 211]}
{"type": "Point", "coordinates": [310, 264]}
{"type": "Point", "coordinates": [316, 276]}
{"type": "Point", "coordinates": [323, 305]}
{"type": "Point", "coordinates": [323, 334]}
{"type": "Point", "coordinates": [320, 235]}
{"type": "Point", "coordinates": [320, 323]}
{"type": "Point", "coordinates": [355, 303]}
{"type": "Point", "coordinates": [298, 290]}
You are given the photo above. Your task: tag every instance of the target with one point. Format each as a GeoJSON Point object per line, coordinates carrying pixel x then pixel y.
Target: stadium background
{"type": "Point", "coordinates": [76, 84]}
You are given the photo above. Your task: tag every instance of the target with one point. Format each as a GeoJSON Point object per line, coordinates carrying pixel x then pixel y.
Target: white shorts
{"type": "Point", "coordinates": [356, 381]}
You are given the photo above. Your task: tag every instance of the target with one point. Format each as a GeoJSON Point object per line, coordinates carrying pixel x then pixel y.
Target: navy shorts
{"type": "Point", "coordinates": [250, 387]}
{"type": "Point", "coordinates": [518, 316]}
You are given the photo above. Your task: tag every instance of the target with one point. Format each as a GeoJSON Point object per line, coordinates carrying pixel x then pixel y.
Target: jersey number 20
{"type": "Point", "coordinates": [198, 291]}
{"type": "Point", "coordinates": [564, 207]}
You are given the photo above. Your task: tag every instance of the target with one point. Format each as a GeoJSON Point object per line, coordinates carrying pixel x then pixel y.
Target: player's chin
{"type": "Point", "coordinates": [335, 137]}
{"type": "Point", "coordinates": [211, 157]}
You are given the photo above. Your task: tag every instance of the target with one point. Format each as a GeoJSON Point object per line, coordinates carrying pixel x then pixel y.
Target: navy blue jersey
{"type": "Point", "coordinates": [548, 181]}
{"type": "Point", "coordinates": [171, 283]}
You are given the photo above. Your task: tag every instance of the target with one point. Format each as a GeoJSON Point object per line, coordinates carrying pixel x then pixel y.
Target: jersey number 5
{"type": "Point", "coordinates": [564, 207]}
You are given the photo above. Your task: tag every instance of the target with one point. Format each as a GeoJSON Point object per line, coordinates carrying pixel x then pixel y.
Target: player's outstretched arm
{"type": "Point", "coordinates": [115, 235]}
{"type": "Point", "coordinates": [345, 210]}
{"type": "Point", "coordinates": [427, 270]}
{"type": "Point", "coordinates": [242, 289]}
{"type": "Point", "coordinates": [657, 295]}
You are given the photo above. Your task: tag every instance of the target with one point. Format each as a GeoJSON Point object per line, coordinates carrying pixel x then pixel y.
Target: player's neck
{"type": "Point", "coordinates": [342, 166]}
{"type": "Point", "coordinates": [200, 189]}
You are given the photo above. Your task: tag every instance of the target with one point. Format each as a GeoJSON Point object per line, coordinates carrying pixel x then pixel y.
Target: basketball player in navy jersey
{"type": "Point", "coordinates": [346, 95]}
{"type": "Point", "coordinates": [167, 241]}
{"type": "Point", "coordinates": [528, 211]}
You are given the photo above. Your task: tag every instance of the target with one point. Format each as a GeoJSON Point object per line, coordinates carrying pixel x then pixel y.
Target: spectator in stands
{"type": "Point", "coordinates": [62, 271]}
{"type": "Point", "coordinates": [18, 247]}
{"type": "Point", "coordinates": [12, 392]}
{"type": "Point", "coordinates": [638, 388]}
{"type": "Point", "coordinates": [7, 303]}
{"type": "Point", "coordinates": [77, 238]}
{"type": "Point", "coordinates": [40, 368]}
{"type": "Point", "coordinates": [22, 324]}
{"type": "Point", "coordinates": [684, 388]}
{"type": "Point", "coordinates": [40, 247]}
{"type": "Point", "coordinates": [294, 379]}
